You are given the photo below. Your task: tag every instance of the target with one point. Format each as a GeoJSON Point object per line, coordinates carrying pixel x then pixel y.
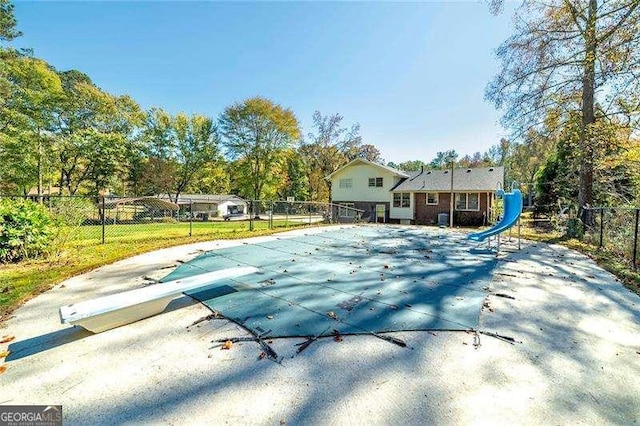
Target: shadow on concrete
{"type": "Point", "coordinates": [54, 339]}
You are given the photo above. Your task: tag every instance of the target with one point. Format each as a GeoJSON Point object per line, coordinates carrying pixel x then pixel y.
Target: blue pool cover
{"type": "Point", "coordinates": [361, 279]}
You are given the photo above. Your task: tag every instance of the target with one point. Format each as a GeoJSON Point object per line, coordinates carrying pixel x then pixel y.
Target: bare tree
{"type": "Point", "coordinates": [329, 148]}
{"type": "Point", "coordinates": [570, 56]}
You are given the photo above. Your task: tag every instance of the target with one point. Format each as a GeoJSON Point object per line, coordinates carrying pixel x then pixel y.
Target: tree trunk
{"type": "Point", "coordinates": [585, 191]}
{"type": "Point", "coordinates": [40, 169]}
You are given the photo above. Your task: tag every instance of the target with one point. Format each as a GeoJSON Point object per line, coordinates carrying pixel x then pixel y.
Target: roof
{"type": "Point", "coordinates": [151, 202]}
{"type": "Point", "coordinates": [381, 166]}
{"type": "Point", "coordinates": [478, 179]}
{"type": "Point", "coordinates": [205, 198]}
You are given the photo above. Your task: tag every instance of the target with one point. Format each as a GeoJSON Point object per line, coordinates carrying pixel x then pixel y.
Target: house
{"type": "Point", "coordinates": [205, 205]}
{"type": "Point", "coordinates": [419, 197]}
{"type": "Point", "coordinates": [367, 186]}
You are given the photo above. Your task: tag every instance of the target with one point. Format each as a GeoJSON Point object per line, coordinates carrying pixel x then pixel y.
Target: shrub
{"type": "Point", "coordinates": [462, 218]}
{"type": "Point", "coordinates": [26, 230]}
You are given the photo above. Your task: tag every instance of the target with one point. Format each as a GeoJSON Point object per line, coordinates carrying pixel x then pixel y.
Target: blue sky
{"type": "Point", "coordinates": [412, 74]}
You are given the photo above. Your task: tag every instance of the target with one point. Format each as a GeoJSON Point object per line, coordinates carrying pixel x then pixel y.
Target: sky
{"type": "Point", "coordinates": [411, 74]}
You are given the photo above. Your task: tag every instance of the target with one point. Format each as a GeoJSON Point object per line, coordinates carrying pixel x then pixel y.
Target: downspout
{"type": "Point", "coordinates": [451, 201]}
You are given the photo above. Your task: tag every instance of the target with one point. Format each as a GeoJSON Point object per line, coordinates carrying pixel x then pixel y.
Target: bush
{"type": "Point", "coordinates": [468, 218]}
{"type": "Point", "coordinates": [74, 211]}
{"type": "Point", "coordinates": [26, 230]}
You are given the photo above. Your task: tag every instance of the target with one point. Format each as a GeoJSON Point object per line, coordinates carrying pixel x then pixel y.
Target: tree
{"type": "Point", "coordinates": [408, 166]}
{"type": "Point", "coordinates": [179, 149]}
{"type": "Point", "coordinates": [26, 120]}
{"type": "Point", "coordinates": [499, 154]}
{"type": "Point", "coordinates": [615, 170]}
{"type": "Point", "coordinates": [212, 178]}
{"type": "Point", "coordinates": [443, 158]}
{"type": "Point", "coordinates": [255, 132]}
{"type": "Point", "coordinates": [528, 157]}
{"type": "Point", "coordinates": [8, 22]}
{"type": "Point", "coordinates": [570, 56]}
{"type": "Point", "coordinates": [95, 131]}
{"type": "Point", "coordinates": [294, 181]}
{"type": "Point", "coordinates": [196, 146]}
{"type": "Point", "coordinates": [329, 148]}
{"type": "Point", "coordinates": [370, 153]}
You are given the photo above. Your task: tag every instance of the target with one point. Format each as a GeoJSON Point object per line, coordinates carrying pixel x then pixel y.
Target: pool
{"type": "Point", "coordinates": [349, 280]}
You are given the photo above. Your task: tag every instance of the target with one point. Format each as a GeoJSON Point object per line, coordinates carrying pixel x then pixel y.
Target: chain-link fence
{"type": "Point", "coordinates": [84, 220]}
{"type": "Point", "coordinates": [614, 228]}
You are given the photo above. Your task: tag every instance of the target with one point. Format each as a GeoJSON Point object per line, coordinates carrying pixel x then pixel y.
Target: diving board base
{"type": "Point", "coordinates": [124, 316]}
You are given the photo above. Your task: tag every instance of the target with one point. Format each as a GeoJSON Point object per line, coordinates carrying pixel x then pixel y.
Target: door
{"type": "Point", "coordinates": [381, 213]}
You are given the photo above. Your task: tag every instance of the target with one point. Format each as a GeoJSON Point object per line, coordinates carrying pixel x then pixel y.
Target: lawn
{"type": "Point", "coordinates": [92, 234]}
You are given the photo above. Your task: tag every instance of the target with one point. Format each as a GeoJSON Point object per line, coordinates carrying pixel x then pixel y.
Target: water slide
{"type": "Point", "coordinates": [512, 209]}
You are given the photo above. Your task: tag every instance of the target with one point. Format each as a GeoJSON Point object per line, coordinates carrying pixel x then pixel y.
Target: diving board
{"type": "Point", "coordinates": [107, 312]}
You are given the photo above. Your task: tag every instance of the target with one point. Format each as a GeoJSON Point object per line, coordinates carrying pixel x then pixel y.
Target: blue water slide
{"type": "Point", "coordinates": [512, 209]}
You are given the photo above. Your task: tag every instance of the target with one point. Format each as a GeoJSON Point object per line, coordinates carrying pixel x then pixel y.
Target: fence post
{"type": "Point", "coordinates": [601, 225]}
{"type": "Point", "coordinates": [251, 215]}
{"type": "Point", "coordinates": [635, 240]}
{"type": "Point", "coordinates": [271, 215]}
{"type": "Point", "coordinates": [103, 216]}
{"type": "Point", "coordinates": [190, 218]}
{"type": "Point", "coordinates": [309, 214]}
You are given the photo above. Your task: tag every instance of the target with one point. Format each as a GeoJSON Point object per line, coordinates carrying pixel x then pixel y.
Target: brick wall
{"type": "Point", "coordinates": [428, 214]}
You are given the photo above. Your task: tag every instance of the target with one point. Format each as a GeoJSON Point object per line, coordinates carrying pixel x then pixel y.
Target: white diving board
{"type": "Point", "coordinates": [107, 312]}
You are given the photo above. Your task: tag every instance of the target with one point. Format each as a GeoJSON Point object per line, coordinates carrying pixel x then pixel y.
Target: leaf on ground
{"type": "Point", "coordinates": [7, 339]}
{"type": "Point", "coordinates": [227, 345]}
{"type": "Point", "coordinates": [3, 368]}
{"type": "Point", "coordinates": [4, 354]}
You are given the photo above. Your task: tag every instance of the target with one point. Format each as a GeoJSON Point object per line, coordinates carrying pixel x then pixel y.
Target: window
{"type": "Point", "coordinates": [468, 201]}
{"type": "Point", "coordinates": [375, 182]}
{"type": "Point", "coordinates": [345, 211]}
{"type": "Point", "coordinates": [402, 199]}
{"type": "Point", "coordinates": [346, 183]}
{"type": "Point", "coordinates": [432, 198]}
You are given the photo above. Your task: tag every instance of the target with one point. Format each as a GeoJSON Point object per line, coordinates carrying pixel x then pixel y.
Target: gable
{"type": "Point", "coordinates": [362, 162]}
{"type": "Point", "coordinates": [366, 182]}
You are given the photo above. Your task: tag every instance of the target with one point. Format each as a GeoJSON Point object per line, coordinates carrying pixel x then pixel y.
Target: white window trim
{"type": "Point", "coordinates": [342, 212]}
{"type": "Point", "coordinates": [437, 198]}
{"type": "Point", "coordinates": [402, 198]}
{"type": "Point", "coordinates": [466, 202]}
{"type": "Point", "coordinates": [346, 183]}
{"type": "Point", "coordinates": [374, 180]}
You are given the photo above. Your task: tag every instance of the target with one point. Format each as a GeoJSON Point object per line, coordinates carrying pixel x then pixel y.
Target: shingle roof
{"type": "Point", "coordinates": [478, 179]}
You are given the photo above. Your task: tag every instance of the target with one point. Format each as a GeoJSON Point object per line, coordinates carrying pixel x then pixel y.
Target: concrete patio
{"type": "Point", "coordinates": [567, 351]}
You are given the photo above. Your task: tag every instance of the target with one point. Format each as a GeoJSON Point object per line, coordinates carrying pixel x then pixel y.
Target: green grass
{"type": "Point", "coordinates": [145, 231]}
{"type": "Point", "coordinates": [82, 251]}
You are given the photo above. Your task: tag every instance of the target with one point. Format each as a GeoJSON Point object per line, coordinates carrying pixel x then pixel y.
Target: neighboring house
{"type": "Point", "coordinates": [390, 195]}
{"type": "Point", "coordinates": [206, 205]}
